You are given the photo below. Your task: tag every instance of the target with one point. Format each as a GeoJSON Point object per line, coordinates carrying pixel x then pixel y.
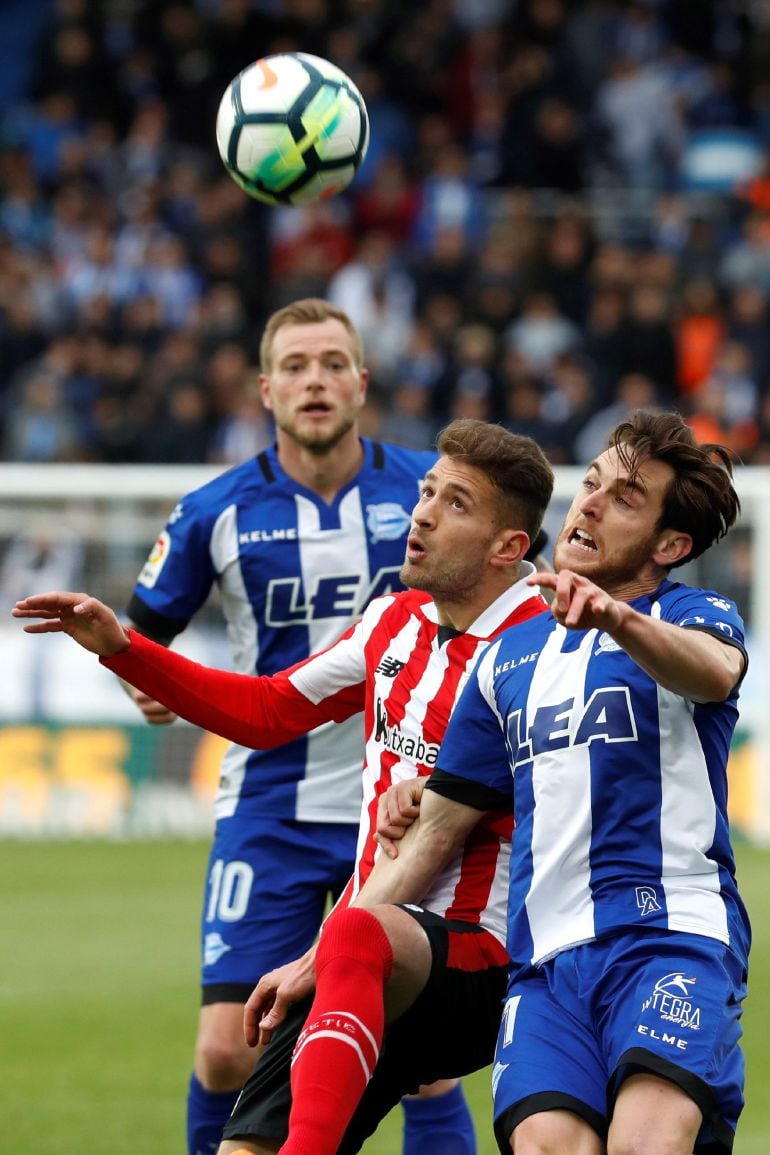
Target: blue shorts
{"type": "Point", "coordinates": [576, 1027]}
{"type": "Point", "coordinates": [267, 887]}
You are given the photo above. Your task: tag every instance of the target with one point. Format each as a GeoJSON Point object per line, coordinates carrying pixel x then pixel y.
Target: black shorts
{"type": "Point", "coordinates": [450, 1030]}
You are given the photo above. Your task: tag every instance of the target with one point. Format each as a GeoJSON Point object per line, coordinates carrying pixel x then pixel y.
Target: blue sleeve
{"type": "Point", "coordinates": [178, 575]}
{"type": "Point", "coordinates": [706, 610]}
{"type": "Point", "coordinates": [697, 609]}
{"type": "Point", "coordinates": [474, 745]}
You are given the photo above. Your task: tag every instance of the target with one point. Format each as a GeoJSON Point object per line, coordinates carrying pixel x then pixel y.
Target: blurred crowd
{"type": "Point", "coordinates": [564, 214]}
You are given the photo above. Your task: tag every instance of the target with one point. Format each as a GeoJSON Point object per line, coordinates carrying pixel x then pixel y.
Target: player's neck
{"type": "Point", "coordinates": [460, 614]}
{"type": "Point", "coordinates": [627, 588]}
{"type": "Point", "coordinates": [325, 473]}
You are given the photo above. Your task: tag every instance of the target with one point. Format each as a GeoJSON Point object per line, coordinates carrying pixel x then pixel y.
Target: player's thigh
{"type": "Point", "coordinates": [554, 1132]}
{"type": "Point", "coordinates": [673, 1009]}
{"type": "Point", "coordinates": [412, 958]}
{"type": "Point", "coordinates": [548, 1061]}
{"type": "Point", "coordinates": [450, 1028]}
{"type": "Point", "coordinates": [267, 885]}
{"type": "Point", "coordinates": [652, 1115]}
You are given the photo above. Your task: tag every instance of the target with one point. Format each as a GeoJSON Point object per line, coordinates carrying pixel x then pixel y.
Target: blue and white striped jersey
{"type": "Point", "coordinates": [293, 573]}
{"type": "Point", "coordinates": [619, 786]}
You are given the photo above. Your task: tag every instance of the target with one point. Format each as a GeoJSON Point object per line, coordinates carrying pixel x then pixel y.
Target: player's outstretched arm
{"type": "Point", "coordinates": [87, 621]}
{"type": "Point", "coordinates": [688, 662]}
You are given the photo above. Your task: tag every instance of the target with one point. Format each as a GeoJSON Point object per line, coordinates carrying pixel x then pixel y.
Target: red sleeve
{"type": "Point", "coordinates": [260, 712]}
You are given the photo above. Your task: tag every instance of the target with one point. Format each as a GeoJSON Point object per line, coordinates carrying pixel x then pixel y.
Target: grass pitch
{"type": "Point", "coordinates": [99, 998]}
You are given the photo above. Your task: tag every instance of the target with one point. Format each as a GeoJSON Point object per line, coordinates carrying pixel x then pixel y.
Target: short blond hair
{"type": "Point", "coordinates": [307, 311]}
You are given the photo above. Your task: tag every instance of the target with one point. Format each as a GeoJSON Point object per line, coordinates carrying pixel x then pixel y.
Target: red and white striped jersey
{"type": "Point", "coordinates": [405, 672]}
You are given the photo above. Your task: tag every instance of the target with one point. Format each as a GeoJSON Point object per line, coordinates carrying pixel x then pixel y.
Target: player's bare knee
{"type": "Point", "coordinates": [412, 958]}
{"type": "Point", "coordinates": [248, 1147]}
{"type": "Point", "coordinates": [653, 1116]}
{"type": "Point", "coordinates": [407, 938]}
{"type": "Point", "coordinates": [221, 1064]}
{"type": "Point", "coordinates": [553, 1133]}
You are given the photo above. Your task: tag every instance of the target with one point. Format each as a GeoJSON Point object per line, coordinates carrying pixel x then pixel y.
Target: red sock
{"type": "Point", "coordinates": [337, 1051]}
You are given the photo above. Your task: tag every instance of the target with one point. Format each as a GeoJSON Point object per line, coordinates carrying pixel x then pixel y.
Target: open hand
{"type": "Point", "coordinates": [89, 622]}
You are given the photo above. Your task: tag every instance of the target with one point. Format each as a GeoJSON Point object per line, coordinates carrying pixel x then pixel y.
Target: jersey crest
{"type": "Point", "coordinates": [387, 521]}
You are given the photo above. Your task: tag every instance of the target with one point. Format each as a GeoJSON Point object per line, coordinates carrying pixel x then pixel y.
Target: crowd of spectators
{"type": "Point", "coordinates": [565, 213]}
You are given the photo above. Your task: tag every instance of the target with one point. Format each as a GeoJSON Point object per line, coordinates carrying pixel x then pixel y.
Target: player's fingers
{"type": "Point", "coordinates": [272, 1019]}
{"type": "Point", "coordinates": [155, 712]}
{"type": "Point", "coordinates": [165, 719]}
{"type": "Point", "coordinates": [577, 607]}
{"type": "Point", "coordinates": [94, 609]}
{"type": "Point", "coordinates": [56, 600]}
{"type": "Point", "coordinates": [563, 594]}
{"type": "Point", "coordinates": [52, 626]}
{"type": "Point", "coordinates": [256, 1006]}
{"type": "Point", "coordinates": [404, 801]}
{"type": "Point", "coordinates": [17, 612]}
{"type": "Point", "coordinates": [388, 845]}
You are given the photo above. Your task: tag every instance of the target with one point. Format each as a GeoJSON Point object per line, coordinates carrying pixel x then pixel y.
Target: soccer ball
{"type": "Point", "coordinates": [292, 128]}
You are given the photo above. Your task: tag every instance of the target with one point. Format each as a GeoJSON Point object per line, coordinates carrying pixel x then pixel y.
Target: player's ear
{"type": "Point", "coordinates": [509, 547]}
{"type": "Point", "coordinates": [673, 546]}
{"type": "Point", "coordinates": [264, 391]}
{"type": "Point", "coordinates": [364, 378]}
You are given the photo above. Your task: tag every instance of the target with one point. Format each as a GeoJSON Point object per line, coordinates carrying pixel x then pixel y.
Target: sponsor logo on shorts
{"type": "Point", "coordinates": [672, 999]}
{"type": "Point", "coordinates": [214, 946]}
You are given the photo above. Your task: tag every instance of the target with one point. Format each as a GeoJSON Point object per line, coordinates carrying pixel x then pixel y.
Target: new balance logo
{"type": "Point", "coordinates": [390, 667]}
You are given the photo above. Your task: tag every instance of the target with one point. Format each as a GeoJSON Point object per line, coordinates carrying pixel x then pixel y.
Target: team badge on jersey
{"type": "Point", "coordinates": [606, 645]}
{"type": "Point", "coordinates": [387, 521]}
{"type": "Point", "coordinates": [155, 562]}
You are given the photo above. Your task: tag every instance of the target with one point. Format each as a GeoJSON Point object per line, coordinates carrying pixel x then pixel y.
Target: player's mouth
{"type": "Point", "coordinates": [316, 409]}
{"type": "Point", "coordinates": [414, 548]}
{"type": "Point", "coordinates": [582, 540]}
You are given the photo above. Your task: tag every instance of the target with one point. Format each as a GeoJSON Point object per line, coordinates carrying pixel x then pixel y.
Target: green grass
{"type": "Point", "coordinates": [98, 1000]}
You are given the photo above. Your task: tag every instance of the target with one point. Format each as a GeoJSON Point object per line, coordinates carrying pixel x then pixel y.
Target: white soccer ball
{"type": "Point", "coordinates": [292, 128]}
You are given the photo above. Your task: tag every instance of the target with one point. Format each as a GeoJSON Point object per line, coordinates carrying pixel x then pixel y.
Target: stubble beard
{"type": "Point", "coordinates": [611, 573]}
{"type": "Point", "coordinates": [453, 584]}
{"type": "Point", "coordinates": [322, 442]}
